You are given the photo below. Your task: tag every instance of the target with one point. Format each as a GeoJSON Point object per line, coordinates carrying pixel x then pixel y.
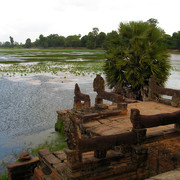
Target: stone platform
{"type": "Point", "coordinates": [121, 123]}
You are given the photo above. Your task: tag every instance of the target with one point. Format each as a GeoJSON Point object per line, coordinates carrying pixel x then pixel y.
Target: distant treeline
{"type": "Point", "coordinates": [94, 39]}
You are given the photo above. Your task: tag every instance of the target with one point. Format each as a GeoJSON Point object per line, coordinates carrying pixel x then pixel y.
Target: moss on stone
{"type": "Point", "coordinates": [59, 126]}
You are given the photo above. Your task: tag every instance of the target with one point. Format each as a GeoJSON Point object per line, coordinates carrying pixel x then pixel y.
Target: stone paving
{"type": "Point", "coordinates": [171, 175]}
{"type": "Point", "coordinates": [121, 123]}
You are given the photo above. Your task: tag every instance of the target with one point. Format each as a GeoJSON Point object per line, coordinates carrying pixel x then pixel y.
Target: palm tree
{"type": "Point", "coordinates": [136, 54]}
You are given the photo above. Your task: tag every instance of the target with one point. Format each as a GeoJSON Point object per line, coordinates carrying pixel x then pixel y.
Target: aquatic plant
{"type": "Point", "coordinates": [22, 63]}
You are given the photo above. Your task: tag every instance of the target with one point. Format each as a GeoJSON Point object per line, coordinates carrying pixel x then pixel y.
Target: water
{"type": "Point", "coordinates": [174, 79]}
{"type": "Point", "coordinates": [28, 105]}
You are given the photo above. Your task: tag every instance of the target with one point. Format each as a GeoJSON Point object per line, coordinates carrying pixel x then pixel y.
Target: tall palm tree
{"type": "Point", "coordinates": [136, 54]}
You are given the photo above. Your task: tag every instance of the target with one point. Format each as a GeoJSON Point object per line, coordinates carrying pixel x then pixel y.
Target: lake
{"type": "Point", "coordinates": [29, 104]}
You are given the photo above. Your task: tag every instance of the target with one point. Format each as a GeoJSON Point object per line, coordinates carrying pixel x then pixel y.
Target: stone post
{"type": "Point", "coordinates": [137, 126]}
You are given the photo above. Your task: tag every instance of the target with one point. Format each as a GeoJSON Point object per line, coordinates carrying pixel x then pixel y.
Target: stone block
{"type": "Point", "coordinates": [22, 170]}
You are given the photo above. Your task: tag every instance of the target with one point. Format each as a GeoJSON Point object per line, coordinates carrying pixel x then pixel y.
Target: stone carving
{"type": "Point", "coordinates": [79, 97]}
{"type": "Point", "coordinates": [99, 87]}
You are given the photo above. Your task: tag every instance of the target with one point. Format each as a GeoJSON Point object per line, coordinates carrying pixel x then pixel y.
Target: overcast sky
{"type": "Point", "coordinates": [24, 19]}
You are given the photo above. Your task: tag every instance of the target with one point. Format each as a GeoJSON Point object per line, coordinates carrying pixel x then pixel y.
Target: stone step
{"type": "Point", "coordinates": [48, 166]}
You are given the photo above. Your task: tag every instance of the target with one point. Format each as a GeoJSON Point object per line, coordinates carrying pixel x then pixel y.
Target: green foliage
{"type": "Point", "coordinates": [6, 44]}
{"type": "Point", "coordinates": [136, 54]}
{"type": "Point", "coordinates": [73, 41]}
{"type": "Point", "coordinates": [84, 40]}
{"type": "Point", "coordinates": [59, 126]}
{"type": "Point", "coordinates": [169, 42]}
{"type": "Point", "coordinates": [111, 38]}
{"type": "Point", "coordinates": [4, 177]}
{"type": "Point", "coordinates": [53, 145]}
{"type": "Point", "coordinates": [11, 41]}
{"type": "Point", "coordinates": [54, 40]}
{"type": "Point", "coordinates": [91, 41]}
{"type": "Point", "coordinates": [28, 43]}
{"type": "Point", "coordinates": [178, 40]}
{"type": "Point", "coordinates": [101, 39]}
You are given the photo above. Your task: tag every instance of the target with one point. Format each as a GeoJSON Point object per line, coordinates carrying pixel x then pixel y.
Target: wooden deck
{"type": "Point", "coordinates": [118, 124]}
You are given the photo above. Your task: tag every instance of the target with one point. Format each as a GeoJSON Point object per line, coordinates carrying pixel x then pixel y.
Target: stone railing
{"type": "Point", "coordinates": [101, 144]}
{"type": "Point", "coordinates": [81, 101]}
{"type": "Point", "coordinates": [99, 87]}
{"type": "Point", "coordinates": [155, 91]}
{"type": "Point", "coordinates": [142, 122]}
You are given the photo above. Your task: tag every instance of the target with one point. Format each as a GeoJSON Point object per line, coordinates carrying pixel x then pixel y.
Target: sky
{"type": "Point", "coordinates": [24, 19]}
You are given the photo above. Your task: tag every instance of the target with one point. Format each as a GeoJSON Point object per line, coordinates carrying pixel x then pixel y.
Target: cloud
{"type": "Point", "coordinates": [68, 17]}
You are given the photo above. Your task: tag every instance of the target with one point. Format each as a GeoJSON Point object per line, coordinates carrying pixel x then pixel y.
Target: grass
{"type": "Point", "coordinates": [60, 127]}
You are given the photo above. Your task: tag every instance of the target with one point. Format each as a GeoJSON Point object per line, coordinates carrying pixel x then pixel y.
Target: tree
{"type": "Point", "coordinates": [84, 40]}
{"type": "Point", "coordinates": [6, 44]}
{"type": "Point", "coordinates": [153, 21]}
{"type": "Point", "coordinates": [54, 40]}
{"type": "Point", "coordinates": [111, 38]}
{"type": "Point", "coordinates": [137, 53]}
{"type": "Point", "coordinates": [91, 41]}
{"type": "Point", "coordinates": [101, 37]}
{"type": "Point", "coordinates": [95, 34]}
{"type": "Point", "coordinates": [43, 42]}
{"type": "Point", "coordinates": [170, 44]}
{"type": "Point", "coordinates": [92, 38]}
{"type": "Point", "coordinates": [73, 41]}
{"type": "Point", "coordinates": [11, 41]}
{"type": "Point", "coordinates": [28, 43]}
{"type": "Point", "coordinates": [178, 40]}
